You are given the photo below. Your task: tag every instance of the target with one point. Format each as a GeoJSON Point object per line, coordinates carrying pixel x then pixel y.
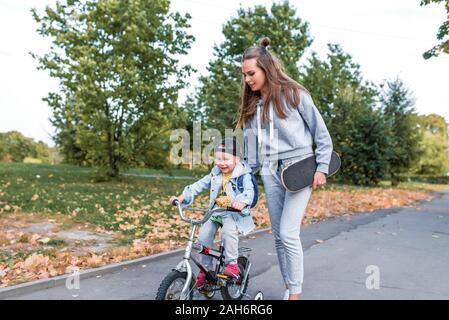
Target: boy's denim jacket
{"type": "Point", "coordinates": [213, 181]}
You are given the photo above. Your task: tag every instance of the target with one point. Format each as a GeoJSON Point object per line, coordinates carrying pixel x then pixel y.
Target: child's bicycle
{"type": "Point", "coordinates": [180, 283]}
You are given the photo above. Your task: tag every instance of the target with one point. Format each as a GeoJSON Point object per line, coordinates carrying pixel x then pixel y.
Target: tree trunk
{"type": "Point", "coordinates": [394, 180]}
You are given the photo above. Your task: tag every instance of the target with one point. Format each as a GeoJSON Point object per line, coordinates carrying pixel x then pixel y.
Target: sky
{"type": "Point", "coordinates": [386, 37]}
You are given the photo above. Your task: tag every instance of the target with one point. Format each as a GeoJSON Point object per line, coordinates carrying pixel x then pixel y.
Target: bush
{"type": "Point", "coordinates": [31, 160]}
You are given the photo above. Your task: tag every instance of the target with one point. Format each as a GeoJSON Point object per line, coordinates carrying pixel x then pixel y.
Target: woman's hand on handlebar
{"type": "Point", "coordinates": [173, 198]}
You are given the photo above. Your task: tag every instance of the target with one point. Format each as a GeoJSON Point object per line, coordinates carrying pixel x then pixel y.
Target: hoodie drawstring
{"type": "Point", "coordinates": [259, 125]}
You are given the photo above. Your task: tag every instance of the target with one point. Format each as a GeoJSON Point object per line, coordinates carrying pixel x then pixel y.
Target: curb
{"type": "Point", "coordinates": [29, 287]}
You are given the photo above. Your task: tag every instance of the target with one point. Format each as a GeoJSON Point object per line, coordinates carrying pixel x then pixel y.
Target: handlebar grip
{"type": "Point", "coordinates": [232, 209]}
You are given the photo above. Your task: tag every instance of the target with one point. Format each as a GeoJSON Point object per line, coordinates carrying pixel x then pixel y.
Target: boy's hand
{"type": "Point", "coordinates": [238, 205]}
{"type": "Point", "coordinates": [173, 198]}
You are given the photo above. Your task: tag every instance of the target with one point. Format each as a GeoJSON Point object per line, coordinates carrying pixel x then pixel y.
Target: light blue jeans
{"type": "Point", "coordinates": [229, 236]}
{"type": "Point", "coordinates": [286, 210]}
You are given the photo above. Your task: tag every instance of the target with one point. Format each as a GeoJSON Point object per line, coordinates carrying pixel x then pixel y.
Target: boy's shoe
{"type": "Point", "coordinates": [232, 270]}
{"type": "Point", "coordinates": [200, 279]}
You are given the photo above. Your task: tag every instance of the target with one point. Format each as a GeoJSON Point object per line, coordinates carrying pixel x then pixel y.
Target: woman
{"type": "Point", "coordinates": [281, 123]}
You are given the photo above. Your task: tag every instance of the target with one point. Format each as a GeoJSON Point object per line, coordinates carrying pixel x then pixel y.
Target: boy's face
{"type": "Point", "coordinates": [226, 161]}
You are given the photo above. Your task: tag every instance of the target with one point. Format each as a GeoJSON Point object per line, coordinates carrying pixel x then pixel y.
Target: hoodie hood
{"type": "Point", "coordinates": [240, 169]}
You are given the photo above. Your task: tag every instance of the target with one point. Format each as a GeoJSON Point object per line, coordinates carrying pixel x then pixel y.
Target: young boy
{"type": "Point", "coordinates": [224, 192]}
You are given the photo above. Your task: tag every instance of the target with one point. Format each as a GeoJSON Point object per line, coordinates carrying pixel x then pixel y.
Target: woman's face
{"type": "Point", "coordinates": [254, 76]}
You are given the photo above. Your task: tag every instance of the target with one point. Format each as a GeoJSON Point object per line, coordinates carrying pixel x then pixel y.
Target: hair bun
{"type": "Point", "coordinates": [264, 42]}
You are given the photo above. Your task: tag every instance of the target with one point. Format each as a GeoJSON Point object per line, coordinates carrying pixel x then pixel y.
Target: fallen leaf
{"type": "Point", "coordinates": [34, 238]}
{"type": "Point", "coordinates": [44, 240]}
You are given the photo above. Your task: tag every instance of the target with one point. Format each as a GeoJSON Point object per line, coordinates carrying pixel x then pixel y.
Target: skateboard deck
{"type": "Point", "coordinates": [299, 175]}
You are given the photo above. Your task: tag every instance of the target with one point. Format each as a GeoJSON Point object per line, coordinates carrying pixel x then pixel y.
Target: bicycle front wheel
{"type": "Point", "coordinates": [171, 287]}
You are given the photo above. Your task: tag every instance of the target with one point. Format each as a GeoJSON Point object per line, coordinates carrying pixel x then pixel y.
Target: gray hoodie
{"type": "Point", "coordinates": [289, 137]}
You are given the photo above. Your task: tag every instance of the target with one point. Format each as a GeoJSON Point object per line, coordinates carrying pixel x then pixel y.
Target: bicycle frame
{"type": "Point", "coordinates": [184, 265]}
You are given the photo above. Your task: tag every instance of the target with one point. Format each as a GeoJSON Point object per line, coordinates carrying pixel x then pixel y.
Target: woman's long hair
{"type": "Point", "coordinates": [277, 83]}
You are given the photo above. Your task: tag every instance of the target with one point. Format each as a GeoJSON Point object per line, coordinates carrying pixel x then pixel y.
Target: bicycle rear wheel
{"type": "Point", "coordinates": [238, 290]}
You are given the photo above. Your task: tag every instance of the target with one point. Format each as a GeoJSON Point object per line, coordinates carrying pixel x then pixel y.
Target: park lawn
{"type": "Point", "coordinates": [70, 190]}
{"type": "Point", "coordinates": [132, 214]}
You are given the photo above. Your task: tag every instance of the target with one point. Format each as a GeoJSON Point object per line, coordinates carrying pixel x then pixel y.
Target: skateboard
{"type": "Point", "coordinates": [299, 175]}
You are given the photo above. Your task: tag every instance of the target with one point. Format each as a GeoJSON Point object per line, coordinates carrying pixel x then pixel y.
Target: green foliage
{"type": "Point", "coordinates": [14, 146]}
{"type": "Point", "coordinates": [219, 94]}
{"type": "Point", "coordinates": [347, 105]}
{"type": "Point", "coordinates": [116, 61]}
{"type": "Point", "coordinates": [361, 139]}
{"type": "Point", "coordinates": [398, 110]}
{"type": "Point", "coordinates": [434, 146]}
{"type": "Point", "coordinates": [328, 79]}
{"type": "Point", "coordinates": [442, 34]}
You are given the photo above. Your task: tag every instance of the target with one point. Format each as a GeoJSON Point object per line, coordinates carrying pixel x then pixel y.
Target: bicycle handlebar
{"type": "Point", "coordinates": [177, 203]}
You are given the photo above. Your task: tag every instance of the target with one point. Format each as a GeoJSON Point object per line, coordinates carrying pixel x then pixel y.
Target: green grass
{"type": "Point", "coordinates": [56, 242]}
{"type": "Point", "coordinates": [417, 186]}
{"type": "Point", "coordinates": [196, 173]}
{"type": "Point", "coordinates": [66, 189]}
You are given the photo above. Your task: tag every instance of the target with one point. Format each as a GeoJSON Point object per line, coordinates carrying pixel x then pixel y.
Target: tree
{"type": "Point", "coordinates": [43, 152]}
{"type": "Point", "coordinates": [434, 145]}
{"type": "Point", "coordinates": [15, 146]}
{"type": "Point", "coordinates": [2, 146]}
{"type": "Point", "coordinates": [220, 90]}
{"type": "Point", "coordinates": [66, 120]}
{"type": "Point", "coordinates": [347, 104]}
{"type": "Point", "coordinates": [398, 110]}
{"type": "Point", "coordinates": [360, 136]}
{"type": "Point", "coordinates": [442, 33]}
{"type": "Point", "coordinates": [116, 61]}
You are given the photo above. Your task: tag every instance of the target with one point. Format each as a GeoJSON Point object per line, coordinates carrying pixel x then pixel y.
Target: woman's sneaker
{"type": "Point", "coordinates": [286, 294]}
{"type": "Point", "coordinates": [232, 270]}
